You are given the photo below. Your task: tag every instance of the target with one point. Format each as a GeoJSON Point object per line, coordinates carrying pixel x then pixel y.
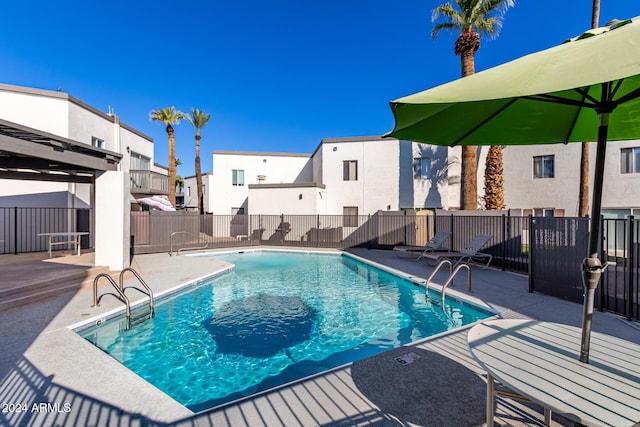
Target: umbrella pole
{"type": "Point", "coordinates": [592, 266]}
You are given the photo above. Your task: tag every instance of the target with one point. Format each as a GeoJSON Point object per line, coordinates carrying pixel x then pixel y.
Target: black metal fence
{"type": "Point", "coordinates": [161, 231]}
{"type": "Point", "coordinates": [549, 250]}
{"type": "Point", "coordinates": [618, 290]}
{"type": "Point", "coordinates": [19, 227]}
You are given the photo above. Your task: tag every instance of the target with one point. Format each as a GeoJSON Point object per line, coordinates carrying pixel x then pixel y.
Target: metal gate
{"type": "Point", "coordinates": [557, 247]}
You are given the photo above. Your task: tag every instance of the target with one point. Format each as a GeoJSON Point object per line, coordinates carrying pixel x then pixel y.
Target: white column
{"type": "Point", "coordinates": [112, 213]}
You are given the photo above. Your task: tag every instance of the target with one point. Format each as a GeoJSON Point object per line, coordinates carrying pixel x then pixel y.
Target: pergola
{"type": "Point", "coordinates": [30, 154]}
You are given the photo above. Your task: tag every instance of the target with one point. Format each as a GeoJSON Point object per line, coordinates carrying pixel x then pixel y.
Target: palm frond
{"type": "Point", "coordinates": [445, 26]}
{"type": "Point", "coordinates": [198, 118]}
{"type": "Point", "coordinates": [168, 116]}
{"type": "Point", "coordinates": [482, 16]}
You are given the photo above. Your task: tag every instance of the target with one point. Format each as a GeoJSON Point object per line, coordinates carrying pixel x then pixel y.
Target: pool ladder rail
{"type": "Point", "coordinates": [452, 275]}
{"type": "Point", "coordinates": [120, 294]}
{"type": "Point", "coordinates": [203, 243]}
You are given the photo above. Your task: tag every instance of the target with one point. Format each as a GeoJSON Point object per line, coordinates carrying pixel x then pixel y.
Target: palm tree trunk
{"type": "Point", "coordinates": [199, 177]}
{"type": "Point", "coordinates": [469, 174]}
{"type": "Point", "coordinates": [468, 63]}
{"type": "Point", "coordinates": [493, 179]}
{"type": "Point", "coordinates": [583, 198]}
{"type": "Point", "coordinates": [469, 179]}
{"type": "Point", "coordinates": [172, 165]}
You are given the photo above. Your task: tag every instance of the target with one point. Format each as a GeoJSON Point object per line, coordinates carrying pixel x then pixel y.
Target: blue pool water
{"type": "Point", "coordinates": [275, 318]}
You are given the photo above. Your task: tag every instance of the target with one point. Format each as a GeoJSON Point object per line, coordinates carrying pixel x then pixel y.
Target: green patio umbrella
{"type": "Point", "coordinates": [586, 89]}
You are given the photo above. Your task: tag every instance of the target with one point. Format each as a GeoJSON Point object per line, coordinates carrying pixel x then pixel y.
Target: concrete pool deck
{"type": "Point", "coordinates": [51, 376]}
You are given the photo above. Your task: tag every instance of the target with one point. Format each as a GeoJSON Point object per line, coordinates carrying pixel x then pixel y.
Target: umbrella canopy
{"type": "Point", "coordinates": [586, 89]}
{"type": "Point", "coordinates": [159, 202]}
{"type": "Point", "coordinates": [545, 97]}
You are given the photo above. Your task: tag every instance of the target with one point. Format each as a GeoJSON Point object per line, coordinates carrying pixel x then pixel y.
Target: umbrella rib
{"type": "Point", "coordinates": [628, 97]}
{"type": "Point", "coordinates": [559, 100]}
{"type": "Point", "coordinates": [480, 124]}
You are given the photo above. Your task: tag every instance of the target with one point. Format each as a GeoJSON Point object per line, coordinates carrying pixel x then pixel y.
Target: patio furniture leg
{"type": "Point", "coordinates": [491, 399]}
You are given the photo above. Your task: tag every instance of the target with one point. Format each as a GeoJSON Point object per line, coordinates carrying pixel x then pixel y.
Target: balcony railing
{"type": "Point", "coordinates": [148, 182]}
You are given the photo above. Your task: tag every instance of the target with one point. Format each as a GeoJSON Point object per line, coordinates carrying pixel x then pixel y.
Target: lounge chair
{"type": "Point", "coordinates": [470, 253]}
{"type": "Point", "coordinates": [434, 244]}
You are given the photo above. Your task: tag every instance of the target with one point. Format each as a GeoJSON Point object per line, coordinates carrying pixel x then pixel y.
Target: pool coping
{"type": "Point", "coordinates": [79, 327]}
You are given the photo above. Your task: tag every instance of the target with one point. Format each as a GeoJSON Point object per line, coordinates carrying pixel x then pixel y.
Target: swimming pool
{"type": "Point", "coordinates": [277, 317]}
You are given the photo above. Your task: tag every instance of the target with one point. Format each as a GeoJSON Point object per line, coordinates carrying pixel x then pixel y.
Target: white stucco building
{"type": "Point", "coordinates": [362, 175]}
{"type": "Point", "coordinates": [61, 114]}
{"type": "Point", "coordinates": [352, 176]}
{"type": "Point", "coordinates": [57, 151]}
{"type": "Point", "coordinates": [544, 179]}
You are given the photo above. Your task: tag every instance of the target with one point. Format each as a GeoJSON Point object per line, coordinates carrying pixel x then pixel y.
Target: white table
{"type": "Point", "coordinates": [73, 239]}
{"type": "Point", "coordinates": [539, 361]}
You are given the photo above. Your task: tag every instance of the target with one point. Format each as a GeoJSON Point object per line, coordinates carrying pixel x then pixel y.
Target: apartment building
{"type": "Point", "coordinates": [544, 179]}
{"type": "Point", "coordinates": [351, 176]}
{"type": "Point", "coordinates": [63, 115]}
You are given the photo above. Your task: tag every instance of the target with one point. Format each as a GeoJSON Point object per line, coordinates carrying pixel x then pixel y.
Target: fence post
{"type": "Point", "coordinates": [530, 252]}
{"type": "Point", "coordinates": [369, 238]}
{"type": "Point", "coordinates": [15, 230]}
{"type": "Point", "coordinates": [602, 251]}
{"type": "Point", "coordinates": [504, 241]}
{"type": "Point", "coordinates": [453, 235]}
{"type": "Point", "coordinates": [630, 267]}
{"type": "Point", "coordinates": [281, 229]}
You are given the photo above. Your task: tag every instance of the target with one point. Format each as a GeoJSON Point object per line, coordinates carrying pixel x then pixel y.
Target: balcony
{"type": "Point", "coordinates": [148, 182]}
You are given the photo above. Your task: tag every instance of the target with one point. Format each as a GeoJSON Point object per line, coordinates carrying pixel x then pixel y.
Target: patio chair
{"type": "Point", "coordinates": [470, 253]}
{"type": "Point", "coordinates": [434, 244]}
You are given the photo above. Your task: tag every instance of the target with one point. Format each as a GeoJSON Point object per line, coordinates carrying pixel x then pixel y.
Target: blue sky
{"type": "Point", "coordinates": [275, 76]}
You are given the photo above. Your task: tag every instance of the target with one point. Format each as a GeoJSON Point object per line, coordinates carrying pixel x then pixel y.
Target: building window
{"type": "Point", "coordinates": [422, 168]}
{"type": "Point", "coordinates": [139, 162]}
{"type": "Point", "coordinates": [543, 166]}
{"type": "Point", "coordinates": [188, 191]}
{"type": "Point", "coordinates": [630, 160]}
{"type": "Point", "coordinates": [237, 211]}
{"type": "Point", "coordinates": [350, 170]}
{"type": "Point", "coordinates": [97, 142]}
{"type": "Point", "coordinates": [350, 216]}
{"type": "Point", "coordinates": [237, 177]}
{"type": "Point", "coordinates": [204, 189]}
{"type": "Point", "coordinates": [548, 212]}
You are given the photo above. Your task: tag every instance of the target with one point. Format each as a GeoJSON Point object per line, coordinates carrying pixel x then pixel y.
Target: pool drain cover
{"type": "Point", "coordinates": [261, 325]}
{"type": "Point", "coordinates": [406, 359]}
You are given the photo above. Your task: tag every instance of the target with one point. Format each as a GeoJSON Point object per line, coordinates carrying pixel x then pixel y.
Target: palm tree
{"type": "Point", "coordinates": [198, 119]}
{"type": "Point", "coordinates": [170, 116]}
{"type": "Point", "coordinates": [583, 197]}
{"type": "Point", "coordinates": [471, 18]}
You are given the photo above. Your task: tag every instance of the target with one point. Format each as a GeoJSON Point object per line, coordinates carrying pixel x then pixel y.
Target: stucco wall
{"type": "Point", "coordinates": [291, 200]}
{"type": "Point", "coordinates": [275, 167]}
{"type": "Point", "coordinates": [377, 185]}
{"type": "Point", "coordinates": [44, 110]}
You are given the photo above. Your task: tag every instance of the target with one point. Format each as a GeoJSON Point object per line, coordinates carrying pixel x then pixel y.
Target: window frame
{"type": "Point", "coordinates": [97, 142]}
{"type": "Point", "coordinates": [349, 170]}
{"type": "Point", "coordinates": [629, 160]}
{"type": "Point", "coordinates": [141, 163]}
{"type": "Point", "coordinates": [419, 164]}
{"type": "Point", "coordinates": [540, 165]}
{"type": "Point", "coordinates": [237, 177]}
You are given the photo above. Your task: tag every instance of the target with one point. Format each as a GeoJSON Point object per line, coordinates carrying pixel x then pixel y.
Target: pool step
{"type": "Point", "coordinates": [139, 316]}
{"type": "Point", "coordinates": [41, 289]}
